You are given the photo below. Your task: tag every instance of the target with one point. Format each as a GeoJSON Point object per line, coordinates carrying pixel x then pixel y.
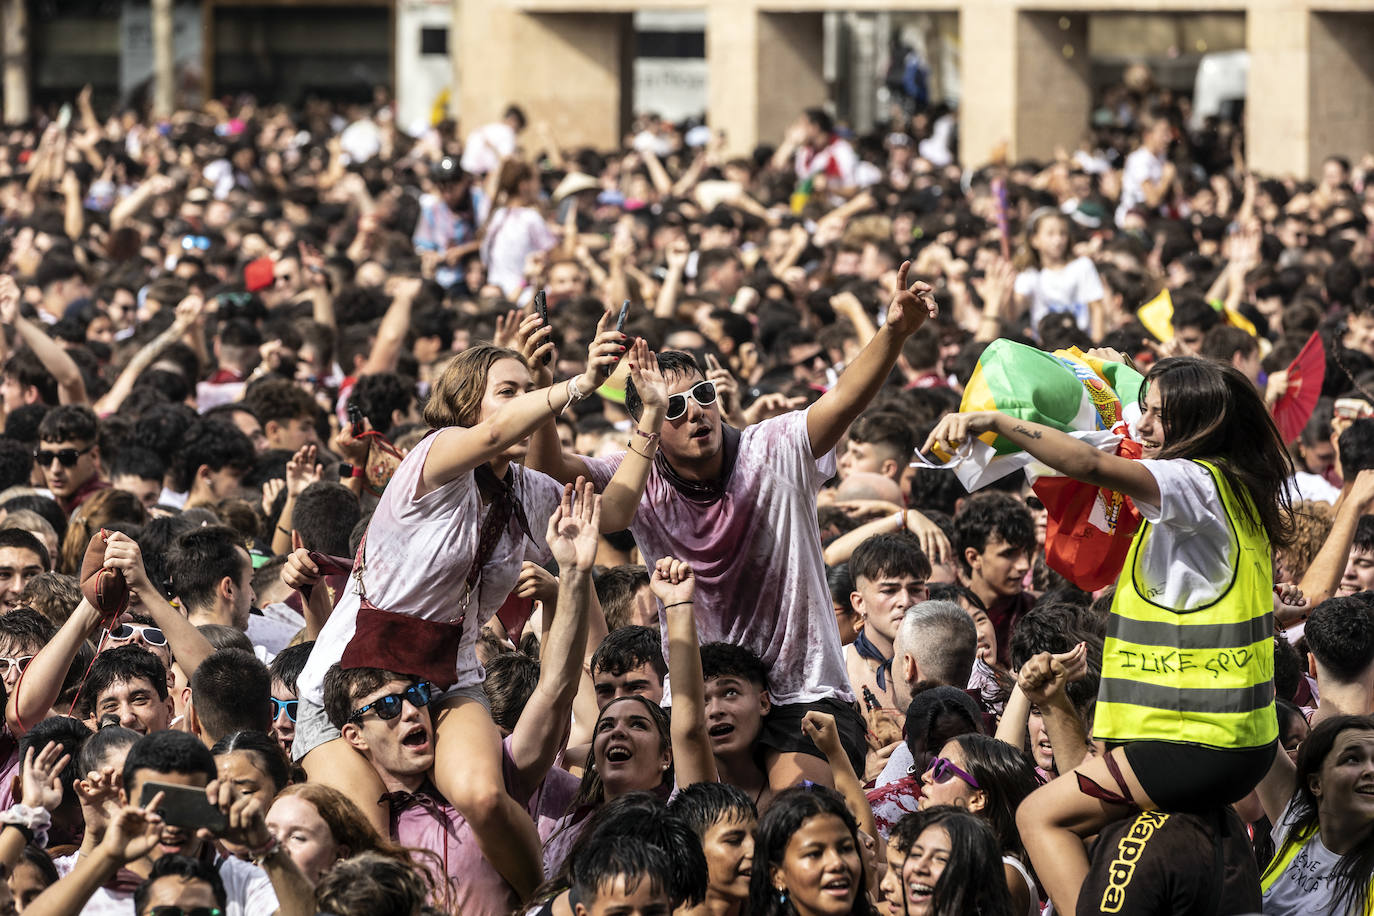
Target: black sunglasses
{"type": "Point", "coordinates": [291, 706]}
{"type": "Point", "coordinates": [179, 911]}
{"type": "Point", "coordinates": [67, 457]}
{"type": "Point", "coordinates": [703, 393]}
{"type": "Point", "coordinates": [389, 706]}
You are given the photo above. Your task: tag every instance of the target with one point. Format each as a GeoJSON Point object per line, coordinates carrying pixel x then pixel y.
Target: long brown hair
{"type": "Point", "coordinates": [1211, 411]}
{"type": "Point", "coordinates": [456, 397]}
{"type": "Point", "coordinates": [98, 511]}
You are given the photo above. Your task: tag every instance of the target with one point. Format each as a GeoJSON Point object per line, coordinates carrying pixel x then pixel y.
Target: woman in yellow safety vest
{"type": "Point", "coordinates": [1323, 816]}
{"type": "Point", "coordinates": [1186, 705]}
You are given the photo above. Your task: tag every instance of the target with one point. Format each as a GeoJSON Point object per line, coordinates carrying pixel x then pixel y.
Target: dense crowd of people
{"type": "Point", "coordinates": [462, 523]}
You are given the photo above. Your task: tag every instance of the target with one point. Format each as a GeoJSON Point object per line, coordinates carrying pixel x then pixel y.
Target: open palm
{"type": "Point", "coordinates": [574, 529]}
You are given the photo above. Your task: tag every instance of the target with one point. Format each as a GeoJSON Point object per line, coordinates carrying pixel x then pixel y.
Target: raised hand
{"type": "Point", "coordinates": [300, 572]}
{"type": "Point", "coordinates": [727, 392]}
{"type": "Point", "coordinates": [245, 821]}
{"type": "Point", "coordinates": [820, 728]}
{"type": "Point", "coordinates": [123, 553]}
{"type": "Point", "coordinates": [534, 340]}
{"type": "Point", "coordinates": [606, 349]}
{"type": "Point", "coordinates": [9, 300]}
{"type": "Point", "coordinates": [101, 787]}
{"type": "Point", "coordinates": [271, 489]}
{"type": "Point", "coordinates": [955, 429]}
{"type": "Point", "coordinates": [1045, 675]}
{"type": "Point", "coordinates": [302, 470]}
{"type": "Point", "coordinates": [910, 307]}
{"type": "Point", "coordinates": [649, 381]}
{"type": "Point", "coordinates": [42, 776]}
{"type": "Point", "coordinates": [536, 582]}
{"type": "Point", "coordinates": [354, 448]}
{"type": "Point", "coordinates": [677, 254]}
{"type": "Point", "coordinates": [575, 527]}
{"type": "Point", "coordinates": [133, 831]}
{"type": "Point", "coordinates": [190, 312]}
{"type": "Point", "coordinates": [773, 404]}
{"type": "Point", "coordinates": [504, 335]}
{"type": "Point", "coordinates": [673, 581]}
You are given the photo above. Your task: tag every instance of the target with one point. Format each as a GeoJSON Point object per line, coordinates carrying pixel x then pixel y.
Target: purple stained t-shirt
{"type": "Point", "coordinates": [757, 557]}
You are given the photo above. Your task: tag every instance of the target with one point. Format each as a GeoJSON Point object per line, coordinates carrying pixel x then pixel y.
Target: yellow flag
{"type": "Point", "coordinates": [1158, 316]}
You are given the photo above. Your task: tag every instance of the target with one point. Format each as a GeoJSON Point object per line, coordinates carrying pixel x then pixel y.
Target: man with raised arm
{"type": "Point", "coordinates": [740, 507]}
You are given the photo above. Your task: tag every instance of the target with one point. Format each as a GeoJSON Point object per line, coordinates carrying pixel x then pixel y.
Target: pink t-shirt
{"type": "Point", "coordinates": [431, 823]}
{"type": "Point", "coordinates": [418, 554]}
{"type": "Point", "coordinates": [757, 557]}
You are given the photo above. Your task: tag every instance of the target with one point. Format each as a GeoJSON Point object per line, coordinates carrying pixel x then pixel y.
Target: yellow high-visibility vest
{"type": "Point", "coordinates": [1200, 676]}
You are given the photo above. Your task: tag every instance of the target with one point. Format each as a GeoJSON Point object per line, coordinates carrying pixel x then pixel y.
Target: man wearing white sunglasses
{"type": "Point", "coordinates": [740, 507]}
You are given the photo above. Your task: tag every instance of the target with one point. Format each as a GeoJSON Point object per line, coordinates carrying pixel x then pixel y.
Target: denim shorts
{"type": "Point", "coordinates": [313, 727]}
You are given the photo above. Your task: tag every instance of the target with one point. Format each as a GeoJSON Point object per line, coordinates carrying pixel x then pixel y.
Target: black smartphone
{"type": "Point", "coordinates": [541, 305]}
{"type": "Point", "coordinates": [185, 806]}
{"type": "Point", "coordinates": [355, 420]}
{"type": "Point", "coordinates": [620, 322]}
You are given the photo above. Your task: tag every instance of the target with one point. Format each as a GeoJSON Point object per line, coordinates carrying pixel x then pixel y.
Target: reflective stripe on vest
{"type": "Point", "coordinates": [1202, 675]}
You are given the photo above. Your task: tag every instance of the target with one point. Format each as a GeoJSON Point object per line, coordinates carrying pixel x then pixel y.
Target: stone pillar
{"type": "Point", "coordinates": [1341, 89]}
{"type": "Point", "coordinates": [1025, 79]}
{"type": "Point", "coordinates": [164, 59]}
{"type": "Point", "coordinates": [763, 70]}
{"type": "Point", "coordinates": [987, 77]}
{"type": "Point", "coordinates": [17, 98]}
{"type": "Point", "coordinates": [570, 70]}
{"type": "Point", "coordinates": [1278, 111]}
{"type": "Point", "coordinates": [1053, 82]}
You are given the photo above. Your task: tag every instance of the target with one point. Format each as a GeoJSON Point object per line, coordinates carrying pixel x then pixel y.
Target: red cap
{"type": "Point", "coordinates": [259, 274]}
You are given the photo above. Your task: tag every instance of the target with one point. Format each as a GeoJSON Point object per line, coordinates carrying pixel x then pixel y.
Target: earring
{"type": "Point", "coordinates": [782, 896]}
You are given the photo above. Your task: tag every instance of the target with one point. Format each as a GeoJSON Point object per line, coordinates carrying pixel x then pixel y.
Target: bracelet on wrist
{"type": "Point", "coordinates": [631, 446]}
{"type": "Point", "coordinates": [677, 604]}
{"type": "Point", "coordinates": [575, 393]}
{"type": "Point", "coordinates": [264, 852]}
{"type": "Point", "coordinates": [652, 437]}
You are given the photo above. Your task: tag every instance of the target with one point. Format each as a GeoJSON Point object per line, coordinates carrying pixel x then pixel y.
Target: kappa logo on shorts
{"type": "Point", "coordinates": [1129, 849]}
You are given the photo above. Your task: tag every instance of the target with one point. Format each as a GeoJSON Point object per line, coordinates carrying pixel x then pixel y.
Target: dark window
{"type": "Point", "coordinates": [434, 41]}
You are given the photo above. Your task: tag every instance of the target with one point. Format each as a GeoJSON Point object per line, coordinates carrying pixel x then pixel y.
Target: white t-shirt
{"type": "Point", "coordinates": [1304, 887]}
{"type": "Point", "coordinates": [513, 234]}
{"type": "Point", "coordinates": [756, 553]}
{"type": "Point", "coordinates": [1067, 289]}
{"type": "Point", "coordinates": [836, 161]}
{"type": "Point", "coordinates": [417, 558]}
{"type": "Point", "coordinates": [1189, 554]}
{"type": "Point", "coordinates": [247, 890]}
{"type": "Point", "coordinates": [1141, 166]}
{"type": "Point", "coordinates": [1314, 487]}
{"type": "Point", "coordinates": [487, 146]}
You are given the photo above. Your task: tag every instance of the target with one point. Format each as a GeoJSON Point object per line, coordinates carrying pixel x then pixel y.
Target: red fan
{"type": "Point", "coordinates": [1305, 376]}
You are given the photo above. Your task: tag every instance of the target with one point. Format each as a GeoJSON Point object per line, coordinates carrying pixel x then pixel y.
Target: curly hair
{"type": "Point", "coordinates": [1311, 524]}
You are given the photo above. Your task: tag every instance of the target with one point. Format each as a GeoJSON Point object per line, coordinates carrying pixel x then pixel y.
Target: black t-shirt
{"type": "Point", "coordinates": [1157, 864]}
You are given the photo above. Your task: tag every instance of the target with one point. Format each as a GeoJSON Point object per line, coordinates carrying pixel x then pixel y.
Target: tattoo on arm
{"type": "Point", "coordinates": [1026, 431]}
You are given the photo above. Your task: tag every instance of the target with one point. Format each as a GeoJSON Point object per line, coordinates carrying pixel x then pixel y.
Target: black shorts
{"type": "Point", "coordinates": [1191, 778]}
{"type": "Point", "coordinates": [782, 730]}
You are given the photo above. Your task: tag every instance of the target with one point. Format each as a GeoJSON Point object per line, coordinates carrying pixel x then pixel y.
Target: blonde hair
{"type": "Point", "coordinates": [1026, 255]}
{"type": "Point", "coordinates": [35, 524]}
{"type": "Point", "coordinates": [456, 396]}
